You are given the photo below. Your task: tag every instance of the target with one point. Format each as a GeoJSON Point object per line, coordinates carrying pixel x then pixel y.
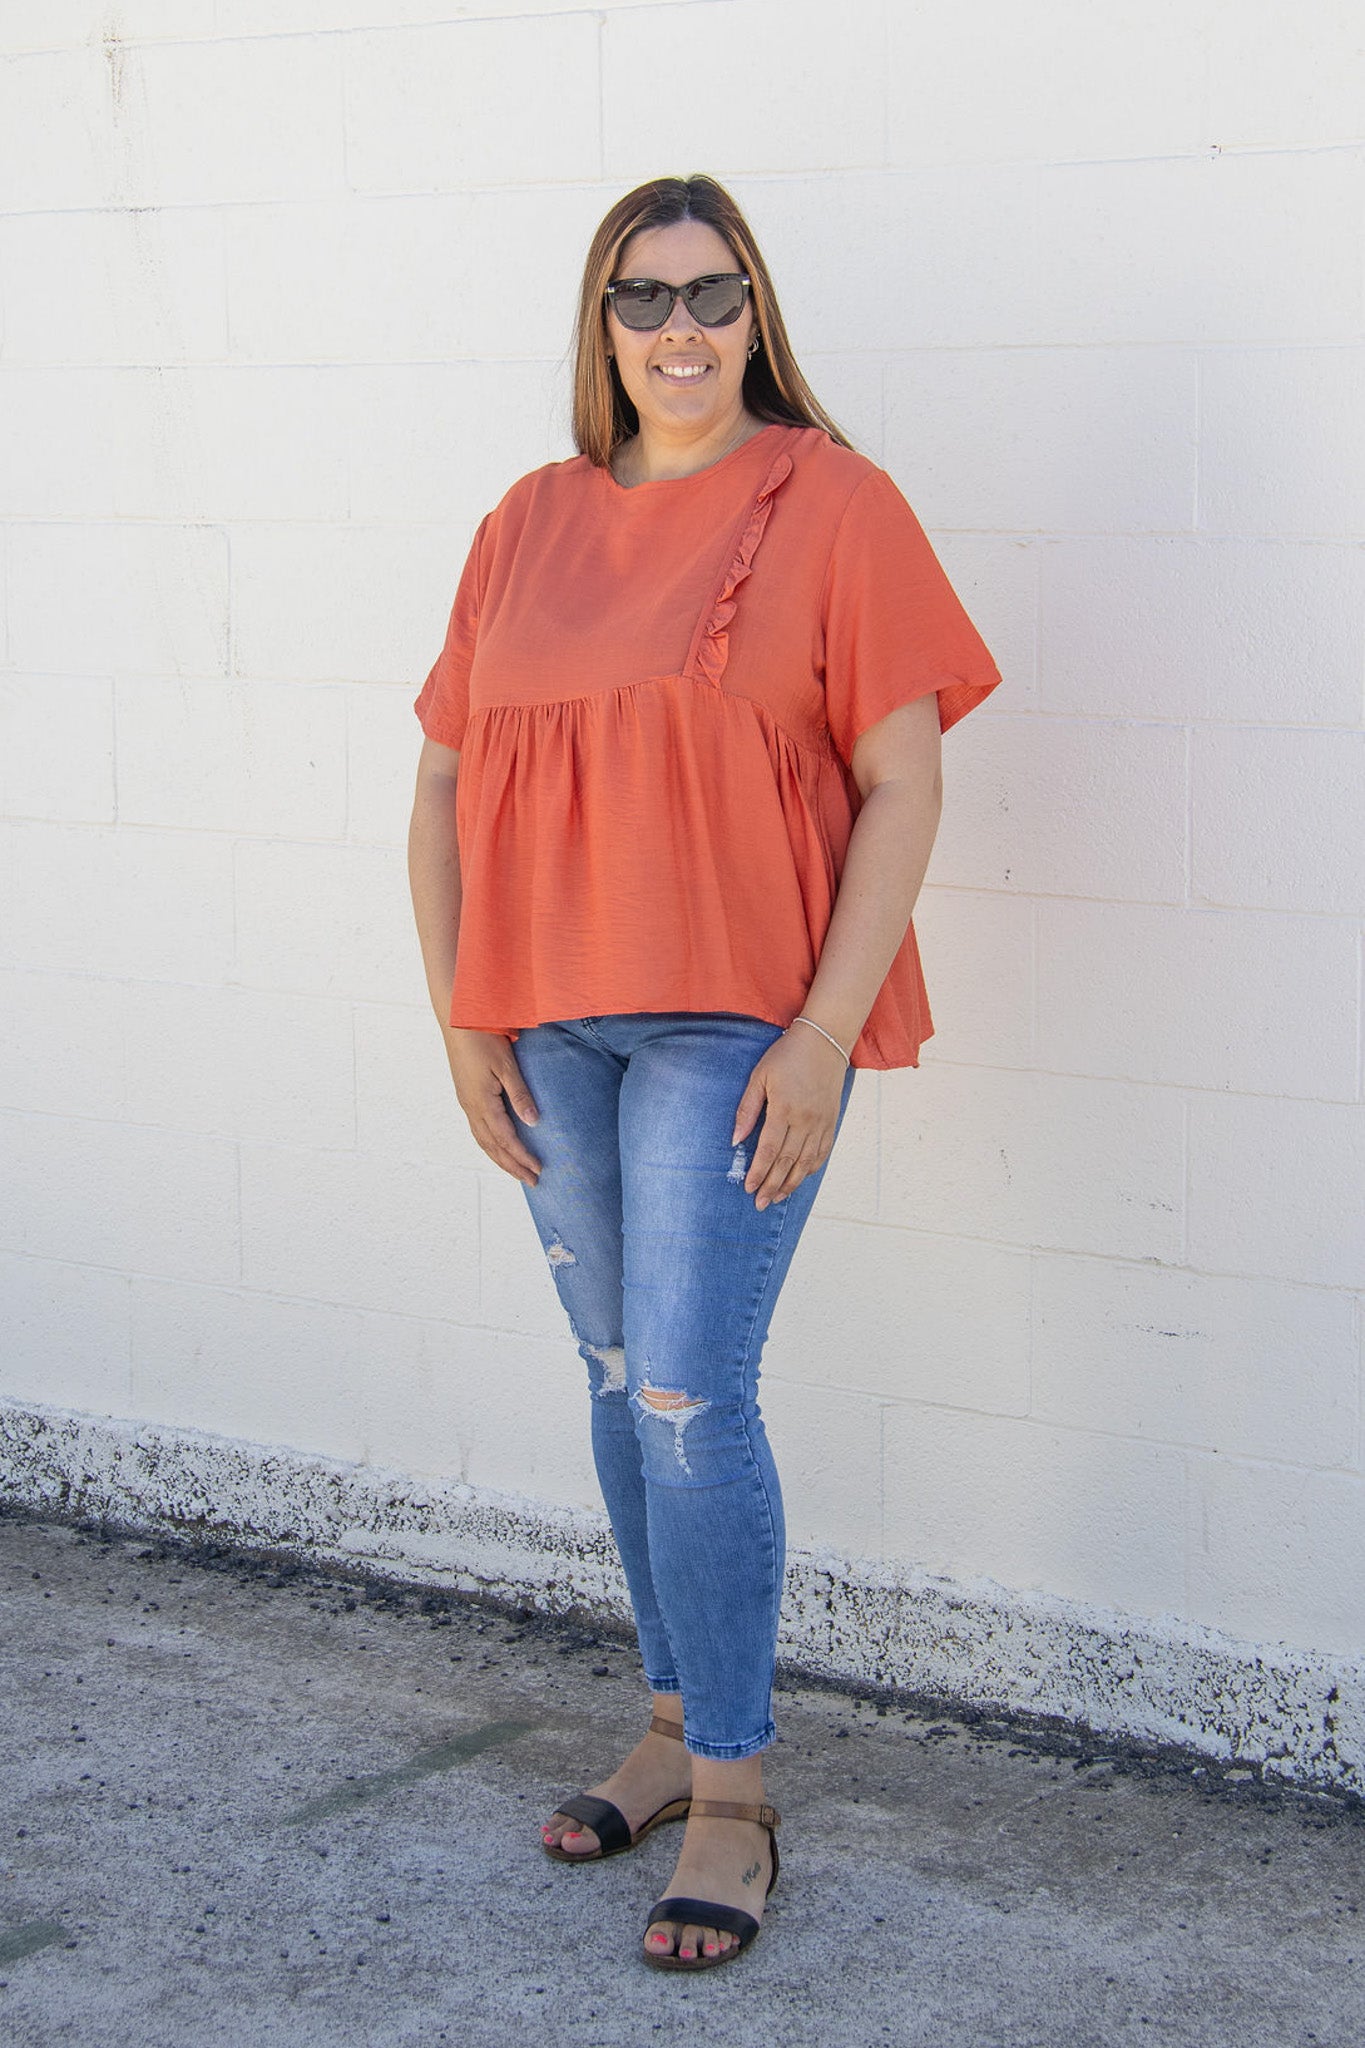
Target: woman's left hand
{"type": "Point", "coordinates": [802, 1084]}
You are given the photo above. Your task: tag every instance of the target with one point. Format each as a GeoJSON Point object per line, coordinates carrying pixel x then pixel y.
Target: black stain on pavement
{"type": "Point", "coordinates": [29, 1937]}
{"type": "Point", "coordinates": [443, 1757]}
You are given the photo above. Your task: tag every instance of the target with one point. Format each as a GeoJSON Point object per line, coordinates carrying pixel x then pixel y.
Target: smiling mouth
{"type": "Point", "coordinates": [691, 374]}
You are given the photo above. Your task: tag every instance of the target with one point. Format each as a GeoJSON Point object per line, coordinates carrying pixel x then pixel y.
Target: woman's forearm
{"type": "Point", "coordinates": [434, 878]}
{"type": "Point", "coordinates": [884, 866]}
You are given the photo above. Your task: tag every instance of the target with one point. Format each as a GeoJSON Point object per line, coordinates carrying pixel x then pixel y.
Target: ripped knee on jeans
{"type": "Point", "coordinates": [612, 1359]}
{"type": "Point", "coordinates": [671, 1405]}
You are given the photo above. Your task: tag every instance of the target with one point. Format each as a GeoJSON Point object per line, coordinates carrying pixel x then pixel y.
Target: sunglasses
{"type": "Point", "coordinates": [646, 302]}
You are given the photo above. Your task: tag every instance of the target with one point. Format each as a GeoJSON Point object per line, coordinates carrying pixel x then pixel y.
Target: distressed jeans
{"type": "Point", "coordinates": [669, 1274]}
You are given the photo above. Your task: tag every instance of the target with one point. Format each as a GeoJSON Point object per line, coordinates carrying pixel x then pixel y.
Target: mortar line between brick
{"type": "Point", "coordinates": [1185, 1182]}
{"type": "Point", "coordinates": [601, 95]}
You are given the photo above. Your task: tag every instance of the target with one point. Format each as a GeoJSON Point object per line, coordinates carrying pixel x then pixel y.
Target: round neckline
{"type": "Point", "coordinates": [655, 483]}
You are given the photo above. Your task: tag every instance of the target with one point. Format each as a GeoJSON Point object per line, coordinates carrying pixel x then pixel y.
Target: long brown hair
{"type": "Point", "coordinates": [774, 388]}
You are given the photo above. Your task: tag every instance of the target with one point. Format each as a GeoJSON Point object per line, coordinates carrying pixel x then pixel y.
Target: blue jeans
{"type": "Point", "coordinates": [669, 1274]}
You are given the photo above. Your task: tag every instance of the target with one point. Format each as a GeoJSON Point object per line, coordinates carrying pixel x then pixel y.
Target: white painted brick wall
{"type": "Point", "coordinates": [92, 597]}
{"type": "Point", "coordinates": [58, 754]}
{"type": "Point", "coordinates": [420, 118]}
{"type": "Point", "coordinates": [1303, 792]}
{"type": "Point", "coordinates": [67, 1326]}
{"type": "Point", "coordinates": [909, 234]}
{"type": "Point", "coordinates": [1303, 410]}
{"type": "Point", "coordinates": [1067, 807]}
{"type": "Point", "coordinates": [1084, 1513]}
{"type": "Point", "coordinates": [1202, 629]}
{"type": "Point", "coordinates": [1156, 252]}
{"type": "Point", "coordinates": [1242, 1000]}
{"type": "Point", "coordinates": [128, 1196]}
{"type": "Point", "coordinates": [1037, 440]}
{"type": "Point", "coordinates": [375, 1232]}
{"type": "Point", "coordinates": [1080, 1311]}
{"type": "Point", "coordinates": [1275, 1188]}
{"type": "Point", "coordinates": [1278, 1551]}
{"type": "Point", "coordinates": [985, 80]}
{"type": "Point", "coordinates": [1246, 1367]}
{"type": "Point", "coordinates": [106, 900]}
{"type": "Point", "coordinates": [926, 1350]}
{"type": "Point", "coordinates": [113, 287]}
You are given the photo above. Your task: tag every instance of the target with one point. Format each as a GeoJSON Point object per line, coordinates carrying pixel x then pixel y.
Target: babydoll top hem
{"type": "Point", "coordinates": [871, 1057]}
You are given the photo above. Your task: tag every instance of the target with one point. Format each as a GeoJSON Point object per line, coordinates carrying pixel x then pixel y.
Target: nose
{"type": "Point", "coordinates": [680, 322]}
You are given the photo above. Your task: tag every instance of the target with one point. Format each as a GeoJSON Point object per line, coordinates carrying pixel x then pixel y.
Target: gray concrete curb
{"type": "Point", "coordinates": [1288, 1713]}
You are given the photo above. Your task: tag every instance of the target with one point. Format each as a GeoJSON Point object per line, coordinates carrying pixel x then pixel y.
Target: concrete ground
{"type": "Point", "coordinates": [246, 1804]}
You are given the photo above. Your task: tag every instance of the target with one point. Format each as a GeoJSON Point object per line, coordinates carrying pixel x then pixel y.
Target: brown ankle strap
{"type": "Point", "coordinates": [730, 1809]}
{"type": "Point", "coordinates": [662, 1727]}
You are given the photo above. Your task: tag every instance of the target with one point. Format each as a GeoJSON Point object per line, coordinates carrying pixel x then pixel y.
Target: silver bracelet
{"type": "Point", "coordinates": [823, 1033]}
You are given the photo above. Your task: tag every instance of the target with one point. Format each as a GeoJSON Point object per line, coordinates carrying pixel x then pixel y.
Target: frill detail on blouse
{"type": "Point", "coordinates": [713, 648]}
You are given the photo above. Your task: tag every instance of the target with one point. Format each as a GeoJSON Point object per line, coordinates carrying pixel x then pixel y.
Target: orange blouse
{"type": "Point", "coordinates": [655, 692]}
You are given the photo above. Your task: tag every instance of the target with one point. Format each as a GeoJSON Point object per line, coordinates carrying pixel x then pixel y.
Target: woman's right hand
{"type": "Point", "coordinates": [483, 1064]}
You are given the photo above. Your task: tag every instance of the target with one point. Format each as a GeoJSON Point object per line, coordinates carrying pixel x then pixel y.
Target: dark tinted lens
{"type": "Point", "coordinates": [640, 305]}
{"type": "Point", "coordinates": [715, 301]}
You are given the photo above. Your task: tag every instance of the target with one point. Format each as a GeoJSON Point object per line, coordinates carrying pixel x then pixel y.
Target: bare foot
{"type": "Point", "coordinates": [657, 1771]}
{"type": "Point", "coordinates": [729, 1861]}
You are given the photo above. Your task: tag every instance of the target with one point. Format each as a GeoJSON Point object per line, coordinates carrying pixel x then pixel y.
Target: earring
{"type": "Point", "coordinates": [753, 348]}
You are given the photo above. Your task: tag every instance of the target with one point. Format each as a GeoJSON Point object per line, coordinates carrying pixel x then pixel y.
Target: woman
{"type": "Point", "coordinates": [682, 763]}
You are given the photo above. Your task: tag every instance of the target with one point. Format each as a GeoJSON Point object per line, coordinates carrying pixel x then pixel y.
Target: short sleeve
{"type": "Point", "coordinates": [894, 627]}
{"type": "Point", "coordinates": [442, 704]}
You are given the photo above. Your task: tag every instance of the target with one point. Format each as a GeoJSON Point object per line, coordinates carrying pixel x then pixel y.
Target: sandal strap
{"type": "Point", "coordinates": [704, 1913]}
{"type": "Point", "coordinates": [662, 1727]}
{"type": "Point", "coordinates": [731, 1809]}
{"type": "Point", "coordinates": [607, 1822]}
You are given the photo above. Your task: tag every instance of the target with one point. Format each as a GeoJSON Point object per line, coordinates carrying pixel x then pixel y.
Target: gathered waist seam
{"type": "Point", "coordinates": [822, 751]}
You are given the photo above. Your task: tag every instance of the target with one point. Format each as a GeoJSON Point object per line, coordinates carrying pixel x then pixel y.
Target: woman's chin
{"type": "Point", "coordinates": [696, 410]}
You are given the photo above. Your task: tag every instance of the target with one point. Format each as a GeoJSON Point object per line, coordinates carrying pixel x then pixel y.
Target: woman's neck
{"type": "Point", "coordinates": [647, 460]}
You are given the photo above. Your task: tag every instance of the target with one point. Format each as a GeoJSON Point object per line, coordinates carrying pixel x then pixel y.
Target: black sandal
{"type": "Point", "coordinates": [608, 1823]}
{"type": "Point", "coordinates": [708, 1912]}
